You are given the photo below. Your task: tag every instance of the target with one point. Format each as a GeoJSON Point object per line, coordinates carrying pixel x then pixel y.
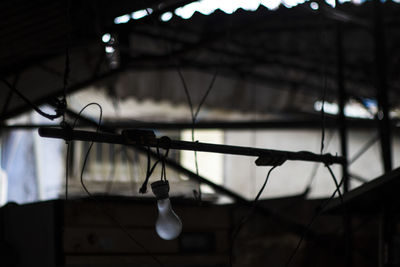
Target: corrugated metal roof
{"type": "Point", "coordinates": [284, 53]}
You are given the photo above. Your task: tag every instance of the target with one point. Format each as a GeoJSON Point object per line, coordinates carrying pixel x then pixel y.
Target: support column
{"type": "Point", "coordinates": [382, 87]}
{"type": "Point", "coordinates": [342, 99]}
{"type": "Point", "coordinates": [387, 224]}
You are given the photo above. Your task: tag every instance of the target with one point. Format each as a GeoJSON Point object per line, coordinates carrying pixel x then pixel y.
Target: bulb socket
{"type": "Point", "coordinates": [160, 189]}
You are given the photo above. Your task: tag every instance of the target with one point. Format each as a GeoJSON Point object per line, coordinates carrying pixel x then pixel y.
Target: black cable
{"type": "Point", "coordinates": [336, 183]}
{"type": "Point", "coordinates": [194, 118]}
{"type": "Point", "coordinates": [91, 144]}
{"type": "Point", "coordinates": [63, 102]}
{"type": "Point", "coordinates": [9, 96]}
{"type": "Point", "coordinates": [206, 94]}
{"type": "Point", "coordinates": [58, 110]}
{"type": "Point", "coordinates": [98, 205]}
{"type": "Point", "coordinates": [323, 117]}
{"type": "Point", "coordinates": [317, 213]}
{"type": "Point", "coordinates": [193, 114]}
{"type": "Point", "coordinates": [325, 79]}
{"type": "Point", "coordinates": [67, 69]}
{"type": "Point", "coordinates": [244, 220]}
{"type": "Point", "coordinates": [163, 168]}
{"type": "Point", "coordinates": [315, 169]}
{"type": "Point", "coordinates": [67, 170]}
{"type": "Point", "coordinates": [143, 188]}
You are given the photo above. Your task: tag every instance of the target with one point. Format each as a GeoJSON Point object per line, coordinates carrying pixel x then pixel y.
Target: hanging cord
{"type": "Point", "coordinates": [314, 171]}
{"type": "Point", "coordinates": [67, 170]}
{"type": "Point", "coordinates": [318, 212]}
{"type": "Point", "coordinates": [60, 107]}
{"type": "Point", "coordinates": [197, 194]}
{"type": "Point", "coordinates": [323, 122]}
{"type": "Point", "coordinates": [67, 69]}
{"type": "Point", "coordinates": [245, 219]}
{"type": "Point", "coordinates": [336, 183]}
{"type": "Point", "coordinates": [163, 168]}
{"type": "Point", "coordinates": [323, 117]}
{"type": "Point", "coordinates": [98, 204]}
{"type": "Point", "coordinates": [322, 33]}
{"type": "Point", "coordinates": [91, 144]}
{"type": "Point", "coordinates": [149, 172]}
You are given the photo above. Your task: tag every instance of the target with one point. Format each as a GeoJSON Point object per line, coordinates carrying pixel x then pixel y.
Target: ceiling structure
{"type": "Point", "coordinates": [268, 61]}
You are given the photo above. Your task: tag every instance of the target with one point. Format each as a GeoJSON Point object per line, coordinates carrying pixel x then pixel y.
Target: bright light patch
{"type": "Point", "coordinates": [106, 38]}
{"type": "Point", "coordinates": [271, 4]}
{"type": "Point", "coordinates": [353, 110]}
{"type": "Point", "coordinates": [141, 13]}
{"type": "Point", "coordinates": [166, 16]}
{"type": "Point", "coordinates": [314, 5]}
{"type": "Point", "coordinates": [110, 49]}
{"type": "Point", "coordinates": [332, 3]}
{"type": "Point", "coordinates": [122, 19]}
{"type": "Point", "coordinates": [207, 7]}
{"type": "Point", "coordinates": [291, 3]}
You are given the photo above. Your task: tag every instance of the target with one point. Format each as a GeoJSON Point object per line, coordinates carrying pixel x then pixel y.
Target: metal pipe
{"type": "Point", "coordinates": [362, 124]}
{"type": "Point", "coordinates": [129, 138]}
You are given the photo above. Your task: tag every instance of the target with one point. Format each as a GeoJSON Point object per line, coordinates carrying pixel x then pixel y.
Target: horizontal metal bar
{"type": "Point", "coordinates": [131, 138]}
{"type": "Point", "coordinates": [292, 123]}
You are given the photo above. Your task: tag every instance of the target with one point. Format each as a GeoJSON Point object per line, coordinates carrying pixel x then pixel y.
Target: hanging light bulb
{"type": "Point", "coordinates": [168, 224]}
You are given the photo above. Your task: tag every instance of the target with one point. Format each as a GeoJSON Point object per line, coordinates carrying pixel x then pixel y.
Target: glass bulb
{"type": "Point", "coordinates": [168, 225]}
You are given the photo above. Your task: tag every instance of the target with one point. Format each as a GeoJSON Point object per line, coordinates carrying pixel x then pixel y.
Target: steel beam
{"type": "Point", "coordinates": [382, 89]}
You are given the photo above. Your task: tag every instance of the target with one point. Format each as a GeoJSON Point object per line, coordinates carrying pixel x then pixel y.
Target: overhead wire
{"type": "Point", "coordinates": [314, 171]}
{"type": "Point", "coordinates": [245, 219]}
{"type": "Point", "coordinates": [60, 104]}
{"type": "Point", "coordinates": [97, 202]}
{"type": "Point", "coordinates": [58, 110]}
{"type": "Point", "coordinates": [63, 101]}
{"type": "Point", "coordinates": [322, 147]}
{"type": "Point", "coordinates": [317, 213]}
{"type": "Point", "coordinates": [193, 113]}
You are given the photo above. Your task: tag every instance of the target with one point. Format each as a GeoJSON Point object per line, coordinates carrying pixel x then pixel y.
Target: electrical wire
{"type": "Point", "coordinates": [318, 212]}
{"type": "Point", "coordinates": [193, 113]}
{"type": "Point", "coordinates": [98, 204]}
{"type": "Point", "coordinates": [67, 69]}
{"type": "Point", "coordinates": [322, 32]}
{"type": "Point", "coordinates": [245, 219]}
{"type": "Point", "coordinates": [336, 183]}
{"type": "Point", "coordinates": [60, 104]}
{"type": "Point", "coordinates": [313, 174]}
{"type": "Point", "coordinates": [59, 111]}
{"type": "Point", "coordinates": [67, 170]}
{"type": "Point", "coordinates": [149, 172]}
